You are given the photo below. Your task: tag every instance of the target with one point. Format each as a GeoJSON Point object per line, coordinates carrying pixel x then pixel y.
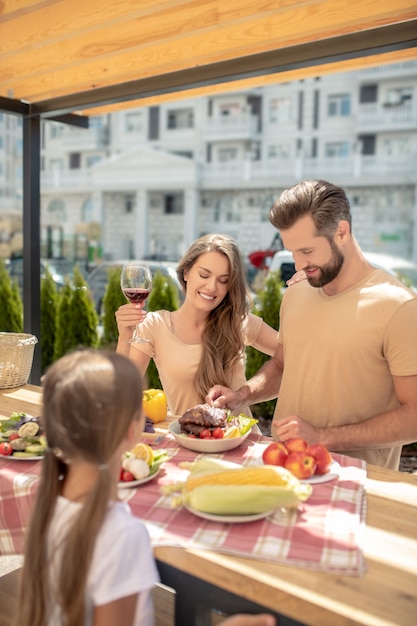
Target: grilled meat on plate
{"type": "Point", "coordinates": [200, 417]}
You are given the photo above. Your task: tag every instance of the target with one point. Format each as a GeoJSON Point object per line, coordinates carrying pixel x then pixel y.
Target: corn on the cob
{"type": "Point", "coordinates": [244, 499]}
{"type": "Point", "coordinates": [267, 475]}
{"type": "Point", "coordinates": [208, 464]}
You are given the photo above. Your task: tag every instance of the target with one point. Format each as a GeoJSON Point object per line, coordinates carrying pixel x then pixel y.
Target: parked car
{"type": "Point", "coordinates": [98, 279]}
{"type": "Point", "coordinates": [283, 262]}
{"type": "Point", "coordinates": [59, 268]}
{"type": "Point", "coordinates": [404, 270]}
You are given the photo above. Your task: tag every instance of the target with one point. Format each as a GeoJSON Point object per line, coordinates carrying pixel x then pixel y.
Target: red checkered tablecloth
{"type": "Point", "coordinates": [324, 534]}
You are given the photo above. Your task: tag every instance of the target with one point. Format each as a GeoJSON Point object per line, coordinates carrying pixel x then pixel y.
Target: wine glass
{"type": "Point", "coordinates": [136, 284]}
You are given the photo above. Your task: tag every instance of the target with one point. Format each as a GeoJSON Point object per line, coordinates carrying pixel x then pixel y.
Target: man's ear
{"type": "Point", "coordinates": [343, 231]}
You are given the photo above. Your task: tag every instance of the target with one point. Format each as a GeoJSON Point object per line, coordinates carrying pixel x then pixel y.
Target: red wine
{"type": "Point", "coordinates": [136, 296]}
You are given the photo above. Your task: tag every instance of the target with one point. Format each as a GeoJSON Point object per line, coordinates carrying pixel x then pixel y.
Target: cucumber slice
{"type": "Point", "coordinates": [25, 454]}
{"type": "Point", "coordinates": [35, 448]}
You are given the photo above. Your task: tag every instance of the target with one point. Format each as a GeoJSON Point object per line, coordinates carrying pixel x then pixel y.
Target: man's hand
{"type": "Point", "coordinates": [294, 426]}
{"type": "Point", "coordinates": [223, 397]}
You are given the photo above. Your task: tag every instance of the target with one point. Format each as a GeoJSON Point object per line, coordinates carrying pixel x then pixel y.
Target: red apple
{"type": "Point", "coordinates": [275, 454]}
{"type": "Point", "coordinates": [322, 457]}
{"type": "Point", "coordinates": [301, 464]}
{"type": "Point", "coordinates": [296, 444]}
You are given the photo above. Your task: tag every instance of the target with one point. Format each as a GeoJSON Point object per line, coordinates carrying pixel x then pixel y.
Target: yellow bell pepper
{"type": "Point", "coordinates": [155, 404]}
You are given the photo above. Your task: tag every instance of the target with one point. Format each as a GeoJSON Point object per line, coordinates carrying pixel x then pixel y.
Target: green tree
{"type": "Point", "coordinates": [164, 295]}
{"type": "Point", "coordinates": [83, 317]}
{"type": "Point", "coordinates": [11, 307]}
{"type": "Point", "coordinates": [63, 339]}
{"type": "Point", "coordinates": [267, 306]}
{"type": "Point", "coordinates": [49, 306]}
{"type": "Point", "coordinates": [113, 298]}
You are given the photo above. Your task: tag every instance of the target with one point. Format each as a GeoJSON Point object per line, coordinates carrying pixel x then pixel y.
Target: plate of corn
{"type": "Point", "coordinates": [230, 519]}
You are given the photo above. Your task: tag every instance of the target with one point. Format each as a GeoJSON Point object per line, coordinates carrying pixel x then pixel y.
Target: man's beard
{"type": "Point", "coordinates": [330, 271]}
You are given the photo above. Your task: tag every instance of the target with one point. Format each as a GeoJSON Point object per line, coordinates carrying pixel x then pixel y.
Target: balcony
{"type": "Point", "coordinates": [232, 127]}
{"type": "Point", "coordinates": [78, 140]}
{"type": "Point", "coordinates": [386, 117]}
{"type": "Point", "coordinates": [80, 179]}
{"type": "Point", "coordinates": [352, 169]}
{"type": "Point", "coordinates": [403, 69]}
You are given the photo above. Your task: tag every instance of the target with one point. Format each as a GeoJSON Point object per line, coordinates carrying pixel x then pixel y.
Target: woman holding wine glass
{"type": "Point", "coordinates": [203, 342]}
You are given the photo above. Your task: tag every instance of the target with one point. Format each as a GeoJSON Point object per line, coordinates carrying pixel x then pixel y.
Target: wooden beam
{"type": "Point", "coordinates": [352, 46]}
{"type": "Point", "coordinates": [260, 81]}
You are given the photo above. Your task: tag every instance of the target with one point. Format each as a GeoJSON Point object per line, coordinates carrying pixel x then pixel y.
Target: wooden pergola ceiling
{"type": "Point", "coordinates": [92, 56]}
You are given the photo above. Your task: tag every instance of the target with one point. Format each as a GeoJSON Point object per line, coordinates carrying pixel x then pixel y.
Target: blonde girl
{"type": "Point", "coordinates": [88, 561]}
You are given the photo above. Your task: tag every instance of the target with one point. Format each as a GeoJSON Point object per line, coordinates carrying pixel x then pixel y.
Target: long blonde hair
{"type": "Point", "coordinates": [222, 340]}
{"type": "Point", "coordinates": [90, 398]}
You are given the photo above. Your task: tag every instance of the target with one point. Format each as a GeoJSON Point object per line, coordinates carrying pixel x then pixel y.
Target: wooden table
{"type": "Point", "coordinates": [385, 596]}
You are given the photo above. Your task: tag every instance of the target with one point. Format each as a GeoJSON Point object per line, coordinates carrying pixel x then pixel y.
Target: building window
{"type": "Point", "coordinates": [174, 204]}
{"type": "Point", "coordinates": [338, 105]}
{"type": "Point", "coordinates": [181, 118]}
{"type": "Point", "coordinates": [75, 161]}
{"type": "Point", "coordinates": [92, 160]}
{"type": "Point", "coordinates": [279, 151]}
{"type": "Point", "coordinates": [133, 122]}
{"type": "Point", "coordinates": [56, 210]}
{"type": "Point", "coordinates": [227, 154]}
{"type": "Point", "coordinates": [398, 96]}
{"type": "Point", "coordinates": [280, 110]}
{"type": "Point", "coordinates": [153, 127]}
{"type": "Point", "coordinates": [56, 131]}
{"type": "Point", "coordinates": [129, 204]}
{"type": "Point", "coordinates": [87, 211]}
{"type": "Point", "coordinates": [368, 93]}
{"type": "Point", "coordinates": [368, 144]}
{"type": "Point", "coordinates": [337, 149]}
{"type": "Point", "coordinates": [231, 108]}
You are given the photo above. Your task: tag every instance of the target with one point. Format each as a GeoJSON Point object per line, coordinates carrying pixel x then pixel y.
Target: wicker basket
{"type": "Point", "coordinates": [16, 358]}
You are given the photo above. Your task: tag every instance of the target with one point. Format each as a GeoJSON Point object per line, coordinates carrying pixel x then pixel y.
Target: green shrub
{"type": "Point", "coordinates": [83, 318]}
{"type": "Point", "coordinates": [49, 304]}
{"type": "Point", "coordinates": [267, 306]}
{"type": "Point", "coordinates": [63, 340]}
{"type": "Point", "coordinates": [11, 307]}
{"type": "Point", "coordinates": [76, 317]}
{"type": "Point", "coordinates": [112, 300]}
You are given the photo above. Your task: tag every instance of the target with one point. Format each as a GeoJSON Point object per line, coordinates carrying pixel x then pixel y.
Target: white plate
{"type": "Point", "coordinates": [230, 519]}
{"type": "Point", "coordinates": [135, 483]}
{"type": "Point", "coordinates": [207, 446]}
{"type": "Point", "coordinates": [324, 478]}
{"type": "Point", "coordinates": [18, 458]}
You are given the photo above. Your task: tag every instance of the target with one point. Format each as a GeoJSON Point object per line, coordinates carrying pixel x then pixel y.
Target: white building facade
{"type": "Point", "coordinates": [146, 182]}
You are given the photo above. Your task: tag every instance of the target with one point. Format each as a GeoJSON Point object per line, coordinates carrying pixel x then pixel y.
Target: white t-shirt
{"type": "Point", "coordinates": [122, 562]}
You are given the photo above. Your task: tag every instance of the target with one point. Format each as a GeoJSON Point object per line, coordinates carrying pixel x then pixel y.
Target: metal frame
{"type": "Point", "coordinates": [379, 40]}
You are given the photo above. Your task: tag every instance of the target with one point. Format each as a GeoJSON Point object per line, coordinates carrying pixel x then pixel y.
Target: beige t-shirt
{"type": "Point", "coordinates": [177, 362]}
{"type": "Point", "coordinates": [341, 351]}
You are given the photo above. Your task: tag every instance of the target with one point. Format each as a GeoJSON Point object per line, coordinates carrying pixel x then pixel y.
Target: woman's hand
{"type": "Point", "coordinates": [296, 278]}
{"type": "Point", "coordinates": [250, 620]}
{"type": "Point", "coordinates": [127, 316]}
